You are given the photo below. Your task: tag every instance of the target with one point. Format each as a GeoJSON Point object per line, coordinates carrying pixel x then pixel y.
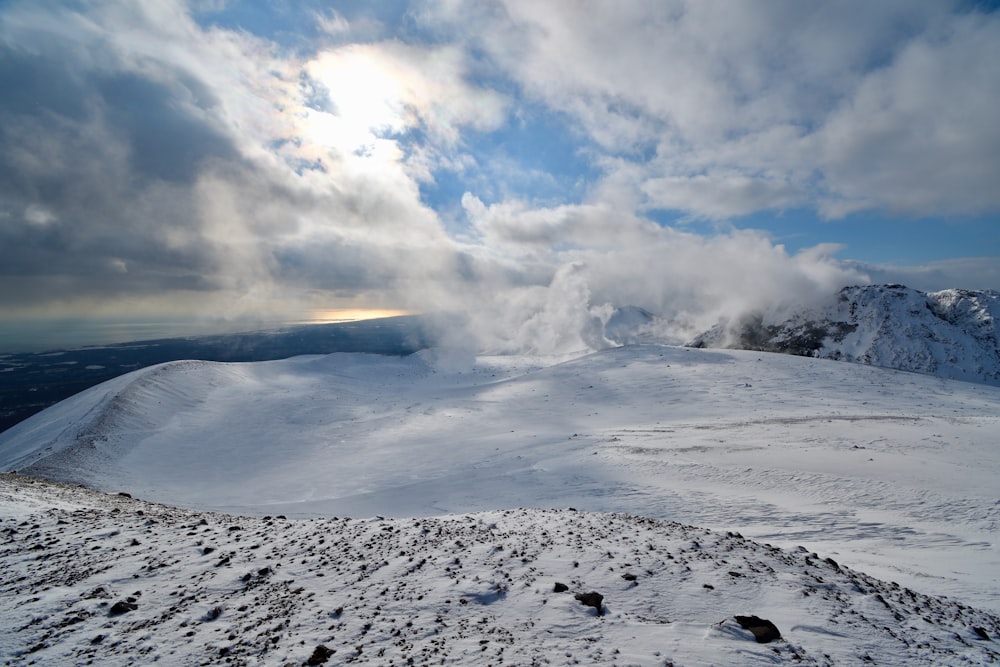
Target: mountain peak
{"type": "Point", "coordinates": [951, 333]}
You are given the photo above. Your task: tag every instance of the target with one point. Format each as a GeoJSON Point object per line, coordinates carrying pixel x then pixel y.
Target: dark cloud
{"type": "Point", "coordinates": [168, 138]}
{"type": "Point", "coordinates": [97, 168]}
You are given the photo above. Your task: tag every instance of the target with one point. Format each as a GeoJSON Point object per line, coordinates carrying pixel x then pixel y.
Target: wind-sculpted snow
{"type": "Point", "coordinates": [105, 579]}
{"type": "Point", "coordinates": [892, 473]}
{"type": "Point", "coordinates": [951, 334]}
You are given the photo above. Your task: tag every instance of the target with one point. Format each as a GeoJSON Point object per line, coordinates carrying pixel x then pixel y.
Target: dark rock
{"type": "Point", "coordinates": [764, 631]}
{"type": "Point", "coordinates": [592, 599]}
{"type": "Point", "coordinates": [122, 607]}
{"type": "Point", "coordinates": [320, 655]}
{"type": "Point", "coordinates": [981, 634]}
{"type": "Point", "coordinates": [124, 495]}
{"type": "Point", "coordinates": [628, 576]}
{"type": "Point", "coordinates": [560, 588]}
{"type": "Point", "coordinates": [97, 640]}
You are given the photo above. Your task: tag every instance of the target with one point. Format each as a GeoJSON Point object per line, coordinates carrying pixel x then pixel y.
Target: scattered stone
{"type": "Point", "coordinates": [592, 599]}
{"type": "Point", "coordinates": [981, 633]}
{"type": "Point", "coordinates": [122, 607]}
{"type": "Point", "coordinates": [763, 630]}
{"type": "Point", "coordinates": [560, 588]}
{"type": "Point", "coordinates": [97, 640]}
{"type": "Point", "coordinates": [628, 576]}
{"type": "Point", "coordinates": [124, 495]}
{"type": "Point", "coordinates": [320, 655]}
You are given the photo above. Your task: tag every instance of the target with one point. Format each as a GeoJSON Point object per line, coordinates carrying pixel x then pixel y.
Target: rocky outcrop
{"type": "Point", "coordinates": [951, 334]}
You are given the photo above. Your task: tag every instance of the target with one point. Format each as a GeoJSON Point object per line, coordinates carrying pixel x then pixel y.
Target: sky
{"type": "Point", "coordinates": [528, 164]}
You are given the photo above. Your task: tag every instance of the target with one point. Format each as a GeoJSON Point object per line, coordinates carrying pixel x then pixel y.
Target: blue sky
{"type": "Point", "coordinates": [233, 160]}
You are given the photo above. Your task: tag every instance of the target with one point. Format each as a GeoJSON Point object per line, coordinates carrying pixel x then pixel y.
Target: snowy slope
{"type": "Point", "coordinates": [104, 579]}
{"type": "Point", "coordinates": [952, 334]}
{"type": "Point", "coordinates": [892, 473]}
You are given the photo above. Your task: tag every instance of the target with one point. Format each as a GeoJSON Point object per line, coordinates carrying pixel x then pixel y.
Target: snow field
{"type": "Point", "coordinates": [891, 473]}
{"type": "Point", "coordinates": [110, 580]}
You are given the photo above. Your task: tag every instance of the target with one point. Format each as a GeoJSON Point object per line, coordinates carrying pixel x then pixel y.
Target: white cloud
{"type": "Point", "coordinates": [39, 215]}
{"type": "Point", "coordinates": [333, 22]}
{"type": "Point", "coordinates": [920, 135]}
{"type": "Point", "coordinates": [389, 87]}
{"type": "Point", "coordinates": [769, 105]}
{"type": "Point", "coordinates": [582, 260]}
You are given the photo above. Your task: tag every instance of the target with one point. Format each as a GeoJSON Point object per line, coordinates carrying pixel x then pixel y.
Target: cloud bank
{"type": "Point", "coordinates": [155, 158]}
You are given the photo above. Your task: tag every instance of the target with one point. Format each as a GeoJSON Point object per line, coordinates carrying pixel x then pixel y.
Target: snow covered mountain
{"type": "Point", "coordinates": [952, 334]}
{"type": "Point", "coordinates": [781, 461]}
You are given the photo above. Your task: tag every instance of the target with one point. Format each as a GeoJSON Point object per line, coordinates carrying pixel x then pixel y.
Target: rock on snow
{"type": "Point", "coordinates": [208, 588]}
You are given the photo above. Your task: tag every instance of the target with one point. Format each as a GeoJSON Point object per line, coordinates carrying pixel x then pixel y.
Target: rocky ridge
{"type": "Point", "coordinates": [951, 334]}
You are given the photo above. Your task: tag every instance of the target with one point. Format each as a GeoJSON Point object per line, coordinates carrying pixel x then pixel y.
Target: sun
{"type": "Point", "coordinates": [367, 94]}
{"type": "Point", "coordinates": [329, 315]}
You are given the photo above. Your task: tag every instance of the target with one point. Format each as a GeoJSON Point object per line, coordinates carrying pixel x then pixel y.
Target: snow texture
{"type": "Point", "coordinates": [105, 579]}
{"type": "Point", "coordinates": [782, 461]}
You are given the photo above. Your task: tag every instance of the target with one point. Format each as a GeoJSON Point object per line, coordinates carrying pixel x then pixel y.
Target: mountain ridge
{"type": "Point", "coordinates": [951, 334]}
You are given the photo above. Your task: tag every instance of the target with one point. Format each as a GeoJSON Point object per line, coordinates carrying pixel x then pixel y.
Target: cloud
{"type": "Point", "coordinates": [196, 158]}
{"type": "Point", "coordinates": [719, 110]}
{"type": "Point", "coordinates": [106, 129]}
{"type": "Point", "coordinates": [576, 263]}
{"type": "Point", "coordinates": [152, 162]}
{"type": "Point", "coordinates": [919, 136]}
